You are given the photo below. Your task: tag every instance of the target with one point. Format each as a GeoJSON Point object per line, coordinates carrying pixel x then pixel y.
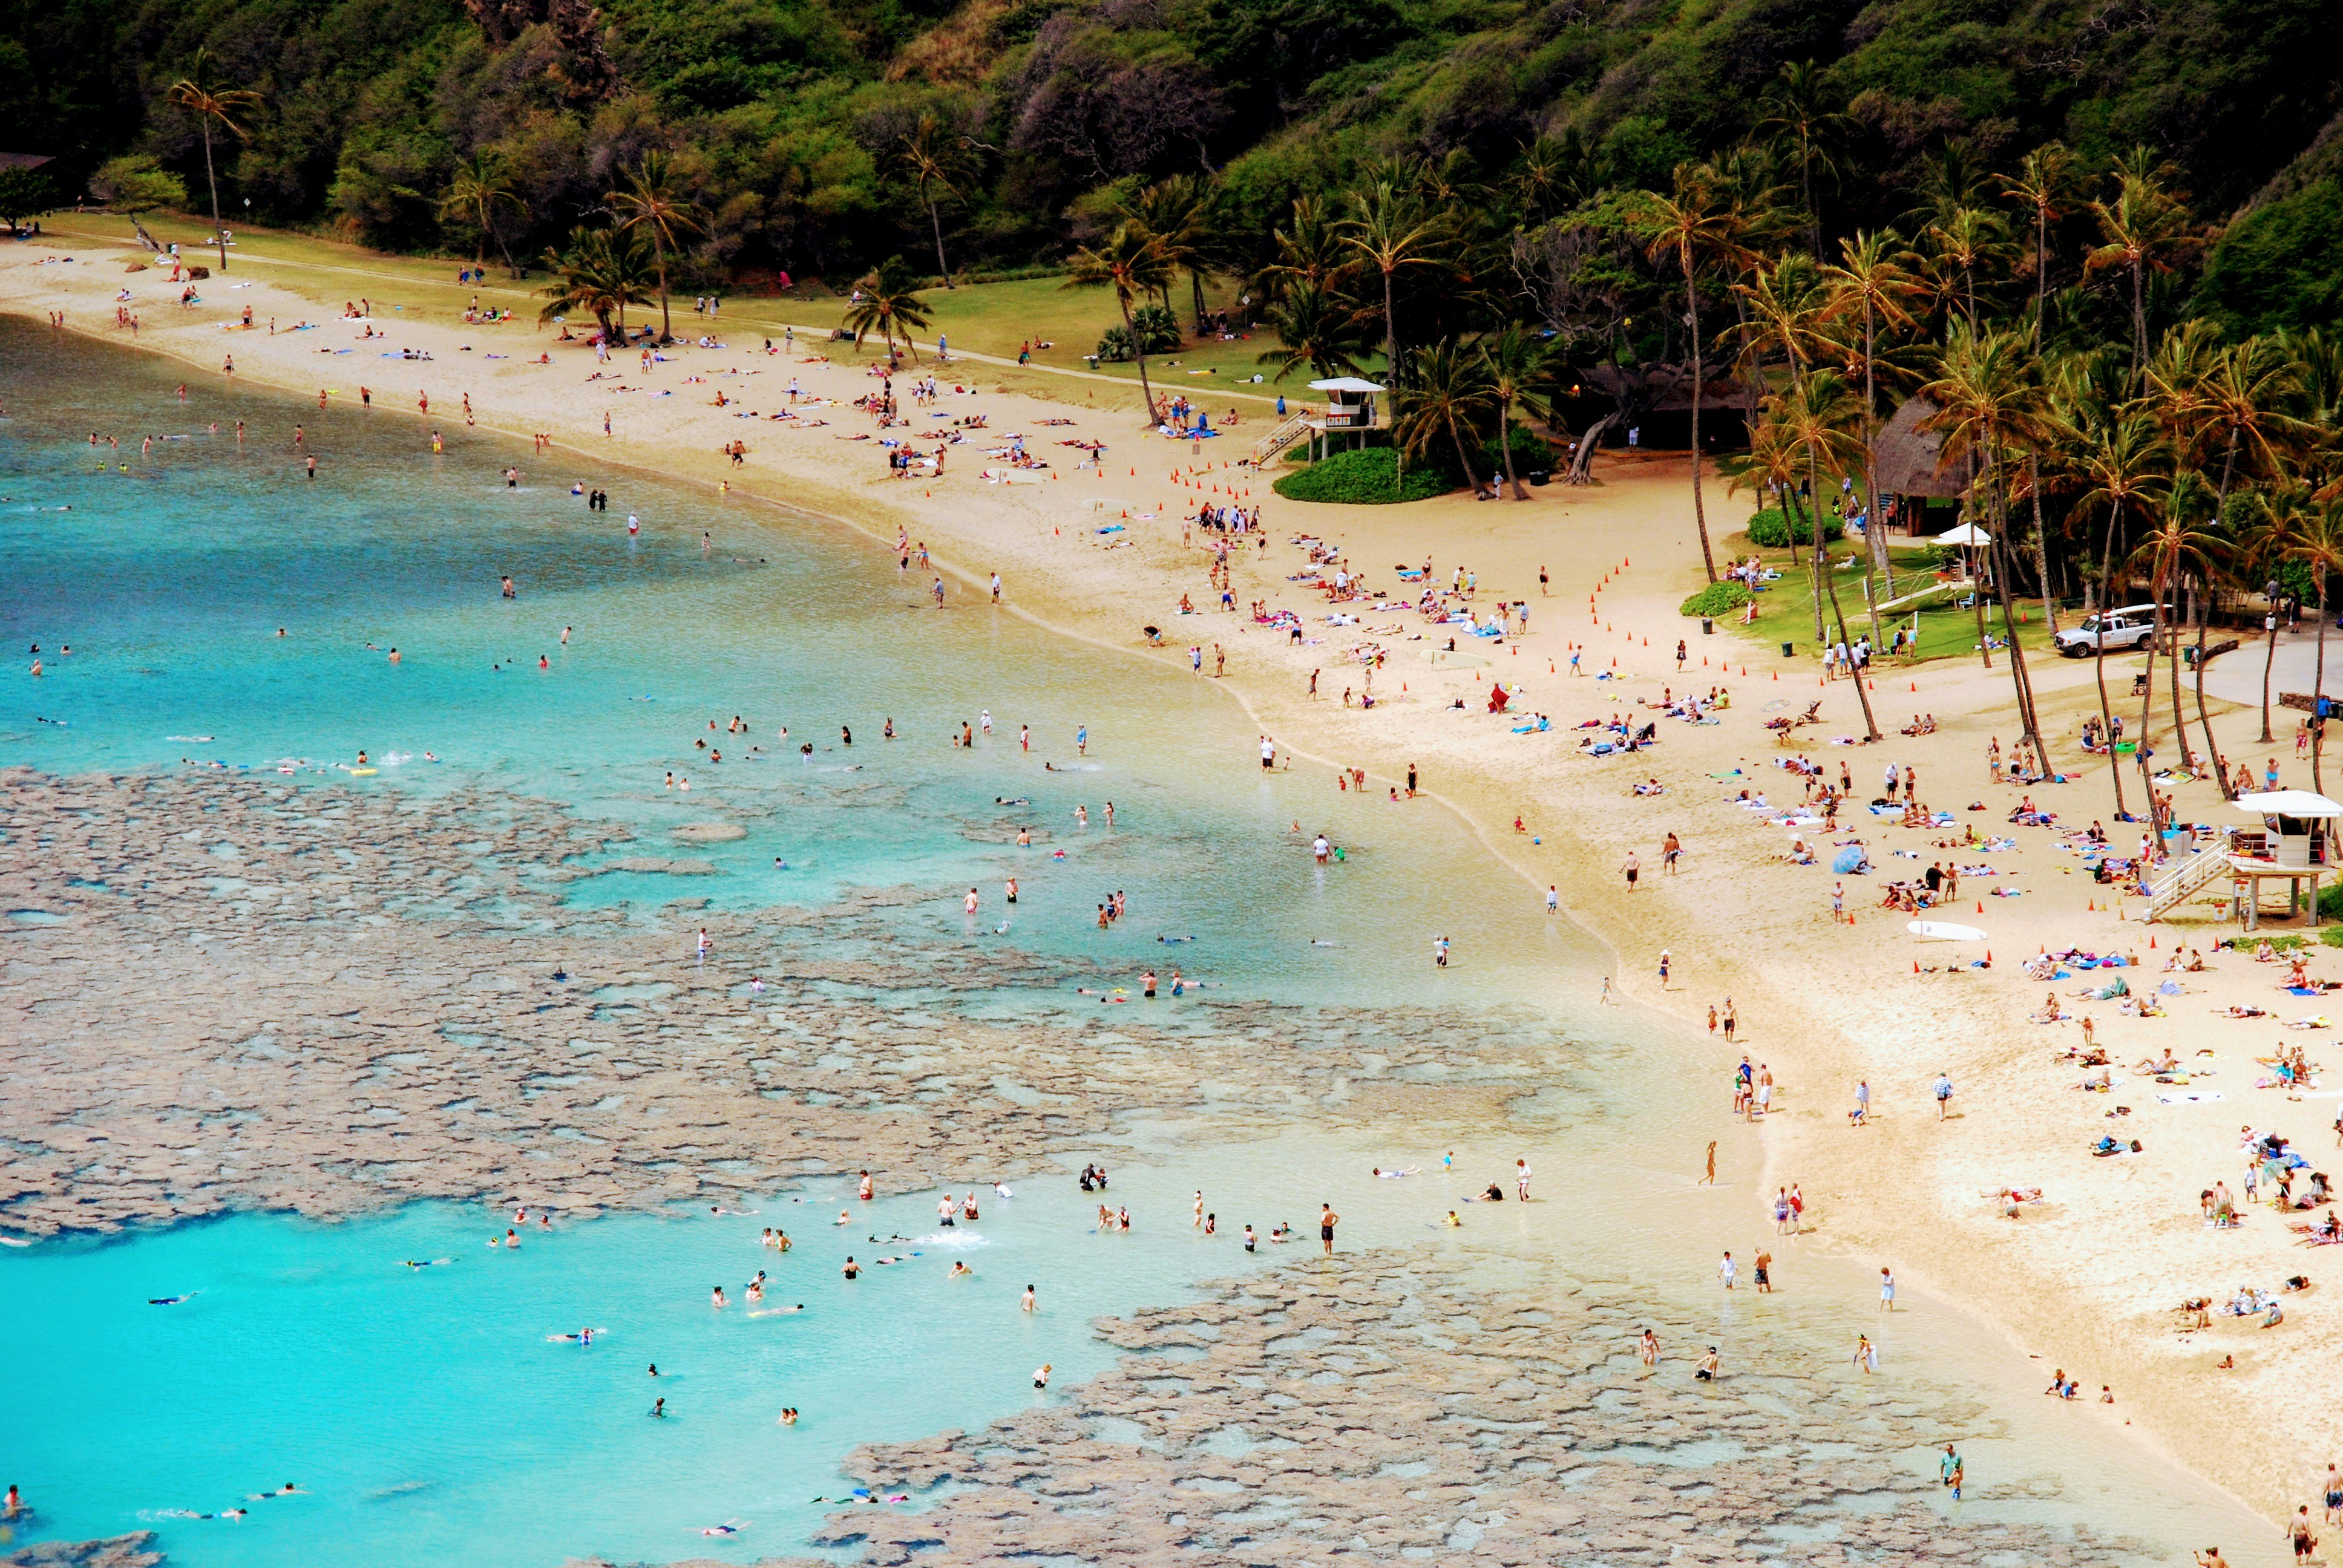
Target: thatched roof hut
{"type": "Point", "coordinates": [1910, 458]}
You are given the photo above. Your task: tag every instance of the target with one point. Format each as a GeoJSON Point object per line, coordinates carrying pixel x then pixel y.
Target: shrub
{"type": "Point", "coordinates": [1365, 477]}
{"type": "Point", "coordinates": [1158, 328]}
{"type": "Point", "coordinates": [1530, 455]}
{"type": "Point", "coordinates": [1769, 529]}
{"type": "Point", "coordinates": [1717, 599]}
{"type": "Point", "coordinates": [1115, 346]}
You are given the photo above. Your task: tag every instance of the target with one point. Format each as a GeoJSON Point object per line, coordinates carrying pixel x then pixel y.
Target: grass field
{"type": "Point", "coordinates": [1786, 610]}
{"type": "Point", "coordinates": [985, 323]}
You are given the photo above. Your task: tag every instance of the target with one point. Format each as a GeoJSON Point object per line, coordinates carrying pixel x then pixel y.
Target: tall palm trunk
{"type": "Point", "coordinates": [1505, 445]}
{"type": "Point", "coordinates": [2270, 658]}
{"type": "Point", "coordinates": [658, 252]}
{"type": "Point", "coordinates": [220, 235]}
{"type": "Point", "coordinates": [1391, 332]}
{"type": "Point", "coordinates": [1861, 693]}
{"type": "Point", "coordinates": [1875, 531]}
{"type": "Point", "coordinates": [2029, 719]}
{"type": "Point", "coordinates": [2041, 541]}
{"type": "Point", "coordinates": [1692, 357]}
{"type": "Point", "coordinates": [2204, 720]}
{"type": "Point", "coordinates": [2317, 685]}
{"type": "Point", "coordinates": [2147, 692]}
{"type": "Point", "coordinates": [936, 223]}
{"type": "Point", "coordinates": [1976, 589]}
{"type": "Point", "coordinates": [2099, 660]}
{"type": "Point", "coordinates": [1470, 478]}
{"type": "Point", "coordinates": [1138, 353]}
{"type": "Point", "coordinates": [2181, 583]}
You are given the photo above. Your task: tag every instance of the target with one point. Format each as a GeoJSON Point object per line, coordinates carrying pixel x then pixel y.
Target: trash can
{"type": "Point", "coordinates": [1707, 627]}
{"type": "Point", "coordinates": [1789, 650]}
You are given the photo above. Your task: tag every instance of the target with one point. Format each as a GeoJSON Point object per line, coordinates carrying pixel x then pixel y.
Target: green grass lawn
{"type": "Point", "coordinates": [1786, 610]}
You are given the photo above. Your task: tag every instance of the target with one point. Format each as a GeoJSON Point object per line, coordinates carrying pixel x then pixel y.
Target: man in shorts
{"type": "Point", "coordinates": [1327, 1221]}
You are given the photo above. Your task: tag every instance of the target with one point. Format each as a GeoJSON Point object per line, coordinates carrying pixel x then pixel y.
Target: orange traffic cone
{"type": "Point", "coordinates": [1915, 966]}
{"type": "Point", "coordinates": [1980, 906]}
{"type": "Point", "coordinates": [2151, 944]}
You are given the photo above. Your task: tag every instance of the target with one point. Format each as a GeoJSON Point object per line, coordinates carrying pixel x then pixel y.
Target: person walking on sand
{"type": "Point", "coordinates": [1631, 868]}
{"type": "Point", "coordinates": [1327, 1221]}
{"type": "Point", "coordinates": [1886, 1291]}
{"type": "Point", "coordinates": [1522, 1180]}
{"type": "Point", "coordinates": [1867, 1354]}
{"type": "Point", "coordinates": [1861, 1115]}
{"type": "Point", "coordinates": [1709, 1180]}
{"type": "Point", "coordinates": [1762, 1266]}
{"type": "Point", "coordinates": [1726, 1269]}
{"type": "Point", "coordinates": [1950, 1468]}
{"type": "Point", "coordinates": [1944, 1094]}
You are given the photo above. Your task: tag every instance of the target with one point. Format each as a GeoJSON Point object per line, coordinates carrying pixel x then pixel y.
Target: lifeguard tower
{"type": "Point", "coordinates": [1350, 407]}
{"type": "Point", "coordinates": [2297, 844]}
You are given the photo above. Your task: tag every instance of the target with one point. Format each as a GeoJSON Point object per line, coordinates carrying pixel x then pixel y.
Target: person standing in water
{"type": "Point", "coordinates": [1327, 1221]}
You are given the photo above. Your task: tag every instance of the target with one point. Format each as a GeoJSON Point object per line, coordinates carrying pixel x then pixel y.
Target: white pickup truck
{"type": "Point", "coordinates": [2113, 630]}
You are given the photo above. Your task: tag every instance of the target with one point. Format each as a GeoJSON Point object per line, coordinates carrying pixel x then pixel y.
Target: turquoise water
{"type": "Point", "coordinates": [424, 1413]}
{"type": "Point", "coordinates": [426, 1417]}
{"type": "Point", "coordinates": [172, 573]}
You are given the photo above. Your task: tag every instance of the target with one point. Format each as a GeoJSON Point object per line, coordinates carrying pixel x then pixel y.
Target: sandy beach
{"type": "Point", "coordinates": [2086, 1278]}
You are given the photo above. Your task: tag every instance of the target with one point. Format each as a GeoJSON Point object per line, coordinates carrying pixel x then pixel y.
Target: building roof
{"type": "Point", "coordinates": [1344, 383]}
{"type": "Point", "coordinates": [2289, 803]}
{"type": "Point", "coordinates": [1910, 458]}
{"type": "Point", "coordinates": [23, 160]}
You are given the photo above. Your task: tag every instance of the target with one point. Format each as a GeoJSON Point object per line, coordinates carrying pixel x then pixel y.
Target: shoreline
{"type": "Point", "coordinates": [1868, 1024]}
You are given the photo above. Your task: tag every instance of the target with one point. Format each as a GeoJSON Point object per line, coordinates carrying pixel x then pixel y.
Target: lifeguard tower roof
{"type": "Point", "coordinates": [2289, 803]}
{"type": "Point", "coordinates": [1344, 383]}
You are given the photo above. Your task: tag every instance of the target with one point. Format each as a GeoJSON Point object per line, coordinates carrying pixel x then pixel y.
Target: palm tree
{"type": "Point", "coordinates": [1178, 212]}
{"type": "Point", "coordinates": [1309, 249]}
{"type": "Point", "coordinates": [601, 272]}
{"type": "Point", "coordinates": [2122, 458]}
{"type": "Point", "coordinates": [887, 300]}
{"type": "Point", "coordinates": [2041, 187]}
{"type": "Point", "coordinates": [1521, 367]}
{"type": "Point", "coordinates": [1448, 393]}
{"type": "Point", "coordinates": [2142, 230]}
{"type": "Point", "coordinates": [1312, 329]}
{"type": "Point", "coordinates": [1786, 305]}
{"type": "Point", "coordinates": [652, 200]}
{"type": "Point", "coordinates": [1964, 240]}
{"type": "Point", "coordinates": [478, 187]}
{"type": "Point", "coordinates": [2321, 549]}
{"type": "Point", "coordinates": [2272, 538]}
{"type": "Point", "coordinates": [1691, 227]}
{"type": "Point", "coordinates": [214, 104]}
{"type": "Point", "coordinates": [2175, 550]}
{"type": "Point", "coordinates": [1131, 262]}
{"type": "Point", "coordinates": [1795, 113]}
{"type": "Point", "coordinates": [1988, 396]}
{"type": "Point", "coordinates": [1386, 233]}
{"type": "Point", "coordinates": [1869, 279]}
{"type": "Point", "coordinates": [929, 155]}
{"type": "Point", "coordinates": [1819, 413]}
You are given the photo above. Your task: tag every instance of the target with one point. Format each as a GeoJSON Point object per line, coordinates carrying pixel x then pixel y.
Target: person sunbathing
{"type": "Point", "coordinates": [2233, 1010]}
{"type": "Point", "coordinates": [2170, 1063]}
{"type": "Point", "coordinates": [2049, 1013]}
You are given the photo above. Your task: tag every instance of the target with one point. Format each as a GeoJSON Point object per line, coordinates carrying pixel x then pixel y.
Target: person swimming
{"type": "Point", "coordinates": [172, 1300]}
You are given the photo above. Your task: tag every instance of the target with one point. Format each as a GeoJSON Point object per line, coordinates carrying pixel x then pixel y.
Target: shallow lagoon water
{"type": "Point", "coordinates": [428, 1418]}
{"type": "Point", "coordinates": [172, 573]}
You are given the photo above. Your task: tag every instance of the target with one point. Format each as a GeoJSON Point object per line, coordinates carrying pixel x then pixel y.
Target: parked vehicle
{"type": "Point", "coordinates": [2115, 631]}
